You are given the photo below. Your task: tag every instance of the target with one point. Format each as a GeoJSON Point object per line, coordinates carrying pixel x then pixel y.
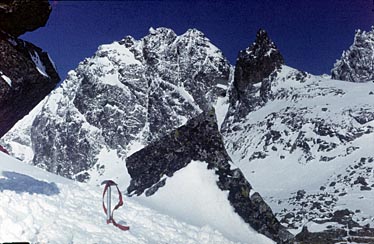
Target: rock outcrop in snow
{"type": "Point", "coordinates": [357, 63]}
{"type": "Point", "coordinates": [200, 140]}
{"type": "Point", "coordinates": [129, 91]}
{"type": "Point", "coordinates": [27, 74]}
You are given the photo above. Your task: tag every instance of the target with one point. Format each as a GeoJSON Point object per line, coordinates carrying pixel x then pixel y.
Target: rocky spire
{"type": "Point", "coordinates": [257, 62]}
{"type": "Point", "coordinates": [357, 63]}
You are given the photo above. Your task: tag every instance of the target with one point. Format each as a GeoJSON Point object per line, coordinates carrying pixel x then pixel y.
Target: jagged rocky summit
{"type": "Point", "coordinates": [304, 147]}
{"type": "Point", "coordinates": [130, 92]}
{"type": "Point", "coordinates": [27, 73]}
{"type": "Point", "coordinates": [200, 140]}
{"type": "Point", "coordinates": [357, 63]}
{"type": "Point", "coordinates": [254, 69]}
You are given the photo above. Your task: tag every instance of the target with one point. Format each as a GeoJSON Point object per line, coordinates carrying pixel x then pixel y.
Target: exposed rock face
{"type": "Point", "coordinates": [200, 140]}
{"type": "Point", "coordinates": [309, 124]}
{"type": "Point", "coordinates": [27, 75]}
{"type": "Point", "coordinates": [20, 16]}
{"type": "Point", "coordinates": [357, 63]}
{"type": "Point", "coordinates": [254, 70]}
{"type": "Point", "coordinates": [131, 90]}
{"type": "Point", "coordinates": [256, 63]}
{"type": "Point", "coordinates": [313, 124]}
{"type": "Point", "coordinates": [337, 235]}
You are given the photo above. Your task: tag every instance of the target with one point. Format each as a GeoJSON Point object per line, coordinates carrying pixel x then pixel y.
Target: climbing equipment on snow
{"type": "Point", "coordinates": [2, 149]}
{"type": "Point", "coordinates": [107, 210]}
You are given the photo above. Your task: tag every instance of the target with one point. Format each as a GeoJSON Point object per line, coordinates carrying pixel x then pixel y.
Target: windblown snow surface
{"type": "Point", "coordinates": [40, 207]}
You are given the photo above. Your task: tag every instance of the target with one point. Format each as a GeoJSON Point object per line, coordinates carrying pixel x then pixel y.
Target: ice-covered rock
{"type": "Point", "coordinates": [357, 63]}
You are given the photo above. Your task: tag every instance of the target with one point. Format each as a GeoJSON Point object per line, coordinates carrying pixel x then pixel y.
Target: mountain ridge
{"type": "Point", "coordinates": [284, 122]}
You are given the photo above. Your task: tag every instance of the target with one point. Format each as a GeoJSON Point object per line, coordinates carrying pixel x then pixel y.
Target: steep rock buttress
{"type": "Point", "coordinates": [27, 74]}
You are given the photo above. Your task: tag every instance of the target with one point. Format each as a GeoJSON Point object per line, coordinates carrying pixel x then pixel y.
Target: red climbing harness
{"type": "Point", "coordinates": [110, 219]}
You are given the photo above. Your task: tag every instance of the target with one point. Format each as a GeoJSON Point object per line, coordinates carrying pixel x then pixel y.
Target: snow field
{"type": "Point", "coordinates": [40, 207]}
{"type": "Point", "coordinates": [282, 172]}
{"type": "Point", "coordinates": [193, 196]}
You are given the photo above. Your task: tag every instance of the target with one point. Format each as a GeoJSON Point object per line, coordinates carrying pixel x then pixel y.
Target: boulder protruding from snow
{"type": "Point", "coordinates": [357, 63]}
{"type": "Point", "coordinates": [20, 16]}
{"type": "Point", "coordinates": [200, 140]}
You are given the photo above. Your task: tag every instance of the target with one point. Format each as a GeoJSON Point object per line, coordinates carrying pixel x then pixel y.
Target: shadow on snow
{"type": "Point", "coordinates": [21, 183]}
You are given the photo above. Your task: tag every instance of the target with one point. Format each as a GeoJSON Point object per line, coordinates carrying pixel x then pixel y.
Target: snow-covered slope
{"type": "Point", "coordinates": [305, 143]}
{"type": "Point", "coordinates": [357, 63]}
{"type": "Point", "coordinates": [40, 207]}
{"type": "Point", "coordinates": [198, 144]}
{"type": "Point", "coordinates": [18, 138]}
{"type": "Point", "coordinates": [128, 94]}
{"type": "Point", "coordinates": [309, 150]}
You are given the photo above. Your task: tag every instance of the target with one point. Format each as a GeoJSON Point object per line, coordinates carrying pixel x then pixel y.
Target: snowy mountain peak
{"type": "Point", "coordinates": [159, 37]}
{"type": "Point", "coordinates": [357, 63]}
{"type": "Point", "coordinates": [129, 93]}
{"type": "Point", "coordinates": [161, 31]}
{"type": "Point", "coordinates": [194, 33]}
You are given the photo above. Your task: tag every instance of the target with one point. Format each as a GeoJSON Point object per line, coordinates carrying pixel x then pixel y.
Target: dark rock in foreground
{"type": "Point", "coordinates": [27, 75]}
{"type": "Point", "coordinates": [20, 16]}
{"type": "Point", "coordinates": [200, 140]}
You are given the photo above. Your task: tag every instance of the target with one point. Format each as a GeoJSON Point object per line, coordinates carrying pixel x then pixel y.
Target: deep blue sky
{"type": "Point", "coordinates": [311, 35]}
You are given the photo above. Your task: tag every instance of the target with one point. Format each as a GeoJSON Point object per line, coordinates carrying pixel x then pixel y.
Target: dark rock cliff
{"type": "Point", "coordinates": [200, 140]}
{"type": "Point", "coordinates": [27, 74]}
